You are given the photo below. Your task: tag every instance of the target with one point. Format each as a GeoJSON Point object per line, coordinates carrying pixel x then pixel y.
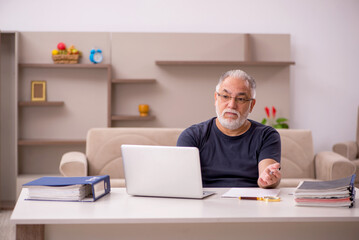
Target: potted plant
{"type": "Point", "coordinates": [272, 121]}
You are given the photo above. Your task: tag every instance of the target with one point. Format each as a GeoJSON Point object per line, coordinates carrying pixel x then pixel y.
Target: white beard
{"type": "Point", "coordinates": [231, 124]}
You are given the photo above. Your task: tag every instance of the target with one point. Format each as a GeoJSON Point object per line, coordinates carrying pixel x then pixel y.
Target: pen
{"type": "Point", "coordinates": [266, 199]}
{"type": "Point", "coordinates": [271, 172]}
{"type": "Point", "coordinates": [250, 198]}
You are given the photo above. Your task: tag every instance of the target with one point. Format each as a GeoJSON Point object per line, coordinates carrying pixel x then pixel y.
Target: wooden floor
{"type": "Point", "coordinates": [7, 229]}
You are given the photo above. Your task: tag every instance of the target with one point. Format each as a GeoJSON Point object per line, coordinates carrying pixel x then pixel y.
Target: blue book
{"type": "Point", "coordinates": [85, 189]}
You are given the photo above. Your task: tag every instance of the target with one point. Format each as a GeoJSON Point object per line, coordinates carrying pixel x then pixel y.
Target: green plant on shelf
{"type": "Point", "coordinates": [272, 121]}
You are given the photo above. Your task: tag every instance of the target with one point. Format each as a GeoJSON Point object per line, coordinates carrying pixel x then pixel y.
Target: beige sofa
{"type": "Point", "coordinates": [350, 150]}
{"type": "Point", "coordinates": [103, 155]}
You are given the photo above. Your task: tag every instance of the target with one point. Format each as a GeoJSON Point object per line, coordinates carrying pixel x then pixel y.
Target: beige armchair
{"type": "Point", "coordinates": [298, 161]}
{"type": "Point", "coordinates": [103, 155]}
{"type": "Point", "coordinates": [350, 150]}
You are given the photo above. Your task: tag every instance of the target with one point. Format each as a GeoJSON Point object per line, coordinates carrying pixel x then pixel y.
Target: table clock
{"type": "Point", "coordinates": [96, 56]}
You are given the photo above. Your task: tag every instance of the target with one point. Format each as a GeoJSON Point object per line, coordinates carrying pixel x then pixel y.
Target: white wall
{"type": "Point", "coordinates": [325, 42]}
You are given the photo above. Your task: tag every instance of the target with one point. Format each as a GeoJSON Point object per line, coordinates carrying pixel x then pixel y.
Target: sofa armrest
{"type": "Point", "coordinates": [347, 149]}
{"type": "Point", "coordinates": [73, 164]}
{"type": "Point", "coordinates": [330, 166]}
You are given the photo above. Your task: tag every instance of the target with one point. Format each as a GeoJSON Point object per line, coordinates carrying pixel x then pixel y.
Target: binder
{"type": "Point", "coordinates": [334, 193]}
{"type": "Point", "coordinates": [84, 189]}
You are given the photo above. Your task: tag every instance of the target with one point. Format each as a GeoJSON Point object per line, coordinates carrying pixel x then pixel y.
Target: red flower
{"type": "Point", "coordinates": [267, 111]}
{"type": "Point", "coordinates": [274, 111]}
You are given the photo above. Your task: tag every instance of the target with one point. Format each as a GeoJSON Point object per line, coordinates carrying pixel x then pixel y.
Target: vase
{"type": "Point", "coordinates": [143, 109]}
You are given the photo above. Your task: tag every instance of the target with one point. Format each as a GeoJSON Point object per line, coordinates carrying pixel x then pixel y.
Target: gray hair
{"type": "Point", "coordinates": [239, 74]}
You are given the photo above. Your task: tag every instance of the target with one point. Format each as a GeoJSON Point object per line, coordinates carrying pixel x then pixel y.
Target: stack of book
{"type": "Point", "coordinates": [335, 193]}
{"type": "Point", "coordinates": [86, 189]}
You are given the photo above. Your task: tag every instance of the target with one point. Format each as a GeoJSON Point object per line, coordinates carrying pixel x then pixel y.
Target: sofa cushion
{"type": "Point", "coordinates": [297, 159]}
{"type": "Point", "coordinates": [356, 163]}
{"type": "Point", "coordinates": [103, 146]}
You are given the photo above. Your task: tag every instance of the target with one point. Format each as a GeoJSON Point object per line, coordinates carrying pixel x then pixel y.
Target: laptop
{"type": "Point", "coordinates": [163, 171]}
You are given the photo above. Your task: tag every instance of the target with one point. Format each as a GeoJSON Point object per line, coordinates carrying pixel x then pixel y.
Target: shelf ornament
{"type": "Point", "coordinates": [38, 91]}
{"type": "Point", "coordinates": [63, 55]}
{"type": "Point", "coordinates": [143, 109]}
{"type": "Point", "coordinates": [96, 56]}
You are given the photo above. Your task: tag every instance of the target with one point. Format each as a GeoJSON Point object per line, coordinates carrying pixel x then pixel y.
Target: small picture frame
{"type": "Point", "coordinates": [38, 91]}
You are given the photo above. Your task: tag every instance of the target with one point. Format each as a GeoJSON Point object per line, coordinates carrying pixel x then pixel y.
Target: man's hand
{"type": "Point", "coordinates": [270, 175]}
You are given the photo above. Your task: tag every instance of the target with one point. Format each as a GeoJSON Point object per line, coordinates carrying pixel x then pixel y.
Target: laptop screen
{"type": "Point", "coordinates": [162, 171]}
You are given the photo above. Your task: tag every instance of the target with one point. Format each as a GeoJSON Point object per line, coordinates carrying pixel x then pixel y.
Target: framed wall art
{"type": "Point", "coordinates": [38, 91]}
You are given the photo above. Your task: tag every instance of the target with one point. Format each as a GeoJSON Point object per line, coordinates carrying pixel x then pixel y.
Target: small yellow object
{"type": "Point", "coordinates": [143, 109]}
{"type": "Point", "coordinates": [270, 199]}
{"type": "Point", "coordinates": [55, 52]}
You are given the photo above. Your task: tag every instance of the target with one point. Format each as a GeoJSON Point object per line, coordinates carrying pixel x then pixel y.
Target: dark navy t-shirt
{"type": "Point", "coordinates": [231, 161]}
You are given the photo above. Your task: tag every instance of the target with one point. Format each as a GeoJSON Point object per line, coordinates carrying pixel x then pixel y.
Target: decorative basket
{"type": "Point", "coordinates": [66, 59]}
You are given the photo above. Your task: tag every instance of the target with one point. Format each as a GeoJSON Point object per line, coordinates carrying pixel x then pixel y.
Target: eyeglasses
{"type": "Point", "coordinates": [239, 100]}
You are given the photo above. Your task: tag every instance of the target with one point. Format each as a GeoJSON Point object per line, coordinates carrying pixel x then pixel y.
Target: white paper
{"type": "Point", "coordinates": [251, 192]}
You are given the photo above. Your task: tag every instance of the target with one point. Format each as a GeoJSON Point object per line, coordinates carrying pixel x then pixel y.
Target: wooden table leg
{"type": "Point", "coordinates": [30, 232]}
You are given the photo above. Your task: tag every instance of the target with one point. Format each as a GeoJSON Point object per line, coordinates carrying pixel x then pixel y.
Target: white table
{"type": "Point", "coordinates": [120, 216]}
